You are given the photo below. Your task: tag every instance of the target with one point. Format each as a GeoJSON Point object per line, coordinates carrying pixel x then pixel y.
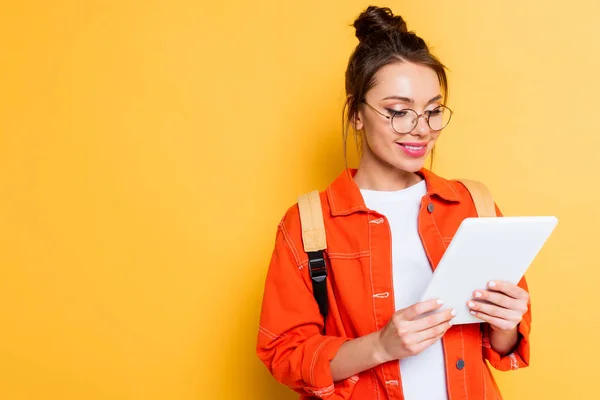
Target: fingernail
{"type": "Point", "coordinates": [453, 312]}
{"type": "Point", "coordinates": [471, 304]}
{"type": "Point", "coordinates": [473, 312]}
{"type": "Point", "coordinates": [440, 301]}
{"type": "Point", "coordinates": [492, 284]}
{"type": "Point", "coordinates": [477, 294]}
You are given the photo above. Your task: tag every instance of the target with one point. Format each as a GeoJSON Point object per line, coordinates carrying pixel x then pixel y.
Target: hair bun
{"type": "Point", "coordinates": [377, 20]}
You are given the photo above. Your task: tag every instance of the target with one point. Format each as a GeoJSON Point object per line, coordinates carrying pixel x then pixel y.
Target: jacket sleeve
{"type": "Point", "coordinates": [519, 358]}
{"type": "Point", "coordinates": [290, 343]}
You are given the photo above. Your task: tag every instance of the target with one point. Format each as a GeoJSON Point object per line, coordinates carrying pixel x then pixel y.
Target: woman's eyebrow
{"type": "Point", "coordinates": [436, 98]}
{"type": "Point", "coordinates": [400, 98]}
{"type": "Point", "coordinates": [411, 101]}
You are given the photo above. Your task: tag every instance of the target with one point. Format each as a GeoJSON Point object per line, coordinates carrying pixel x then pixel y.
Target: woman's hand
{"type": "Point", "coordinates": [502, 305]}
{"type": "Point", "coordinates": [407, 335]}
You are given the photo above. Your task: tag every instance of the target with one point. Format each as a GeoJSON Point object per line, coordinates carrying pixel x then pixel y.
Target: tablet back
{"type": "Point", "coordinates": [484, 249]}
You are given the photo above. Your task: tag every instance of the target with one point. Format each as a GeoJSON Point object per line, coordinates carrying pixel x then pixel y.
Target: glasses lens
{"type": "Point", "coordinates": [404, 121]}
{"type": "Point", "coordinates": [439, 117]}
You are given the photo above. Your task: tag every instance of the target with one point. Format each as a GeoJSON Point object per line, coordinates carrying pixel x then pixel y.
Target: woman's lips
{"type": "Point", "coordinates": [414, 150]}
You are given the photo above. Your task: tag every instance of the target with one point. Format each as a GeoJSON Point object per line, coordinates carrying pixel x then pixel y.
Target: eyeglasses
{"type": "Point", "coordinates": [404, 121]}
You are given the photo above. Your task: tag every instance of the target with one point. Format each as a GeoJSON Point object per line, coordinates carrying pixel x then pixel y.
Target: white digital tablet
{"type": "Point", "coordinates": [485, 249]}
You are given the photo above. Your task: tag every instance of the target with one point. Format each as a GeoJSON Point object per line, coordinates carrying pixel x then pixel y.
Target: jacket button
{"type": "Point", "coordinates": [460, 364]}
{"type": "Point", "coordinates": [430, 207]}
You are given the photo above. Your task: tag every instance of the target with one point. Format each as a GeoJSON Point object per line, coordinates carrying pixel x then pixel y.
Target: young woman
{"type": "Point", "coordinates": [388, 223]}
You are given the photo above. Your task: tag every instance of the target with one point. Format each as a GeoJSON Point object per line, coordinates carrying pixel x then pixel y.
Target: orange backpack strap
{"type": "Point", "coordinates": [482, 198]}
{"type": "Point", "coordinates": [315, 242]}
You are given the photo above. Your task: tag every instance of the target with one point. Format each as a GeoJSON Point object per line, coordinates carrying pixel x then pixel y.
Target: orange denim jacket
{"type": "Point", "coordinates": [361, 299]}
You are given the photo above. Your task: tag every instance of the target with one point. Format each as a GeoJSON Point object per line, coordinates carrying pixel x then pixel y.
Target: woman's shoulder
{"type": "Point", "coordinates": [458, 186]}
{"type": "Point", "coordinates": [312, 200]}
{"type": "Point", "coordinates": [474, 194]}
{"type": "Point", "coordinates": [290, 230]}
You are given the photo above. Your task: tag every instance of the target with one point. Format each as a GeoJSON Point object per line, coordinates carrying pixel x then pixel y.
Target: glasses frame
{"type": "Point", "coordinates": [425, 114]}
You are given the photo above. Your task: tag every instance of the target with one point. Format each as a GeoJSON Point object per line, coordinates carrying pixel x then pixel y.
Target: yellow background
{"type": "Point", "coordinates": [149, 148]}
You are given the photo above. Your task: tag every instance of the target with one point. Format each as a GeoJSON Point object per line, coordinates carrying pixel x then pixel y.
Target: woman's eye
{"type": "Point", "coordinates": [398, 114]}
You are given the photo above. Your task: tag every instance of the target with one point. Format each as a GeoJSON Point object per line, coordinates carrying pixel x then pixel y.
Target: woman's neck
{"type": "Point", "coordinates": [384, 178]}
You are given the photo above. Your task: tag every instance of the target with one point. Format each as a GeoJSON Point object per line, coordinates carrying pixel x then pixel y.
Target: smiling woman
{"type": "Point", "coordinates": [419, 88]}
{"type": "Point", "coordinates": [387, 222]}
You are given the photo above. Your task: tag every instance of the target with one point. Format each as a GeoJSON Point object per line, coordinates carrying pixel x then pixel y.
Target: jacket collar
{"type": "Point", "coordinates": [345, 198]}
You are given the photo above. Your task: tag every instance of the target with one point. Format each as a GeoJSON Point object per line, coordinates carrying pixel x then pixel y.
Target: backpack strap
{"type": "Point", "coordinates": [315, 242]}
{"type": "Point", "coordinates": [484, 202]}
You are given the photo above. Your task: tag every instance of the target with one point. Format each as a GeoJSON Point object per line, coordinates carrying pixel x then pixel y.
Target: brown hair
{"type": "Point", "coordinates": [383, 39]}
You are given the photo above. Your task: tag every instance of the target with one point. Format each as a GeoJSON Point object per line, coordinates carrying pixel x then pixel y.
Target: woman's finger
{"type": "Point", "coordinates": [514, 291]}
{"type": "Point", "coordinates": [430, 333]}
{"type": "Point", "coordinates": [431, 320]}
{"type": "Point", "coordinates": [417, 309]}
{"type": "Point", "coordinates": [500, 299]}
{"type": "Point", "coordinates": [496, 322]}
{"type": "Point", "coordinates": [494, 310]}
{"type": "Point", "coordinates": [426, 343]}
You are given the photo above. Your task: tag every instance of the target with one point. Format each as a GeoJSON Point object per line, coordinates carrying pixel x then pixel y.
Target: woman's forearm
{"type": "Point", "coordinates": [504, 342]}
{"type": "Point", "coordinates": [356, 356]}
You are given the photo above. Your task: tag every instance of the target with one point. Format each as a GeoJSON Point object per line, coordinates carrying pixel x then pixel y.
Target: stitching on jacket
{"type": "Point", "coordinates": [331, 198]}
{"type": "Point", "coordinates": [374, 311]}
{"type": "Point", "coordinates": [314, 360]}
{"type": "Point", "coordinates": [383, 295]}
{"type": "Point", "coordinates": [438, 231]}
{"type": "Point", "coordinates": [266, 333]}
{"type": "Point", "coordinates": [376, 221]}
{"type": "Point", "coordinates": [375, 383]}
{"type": "Point", "coordinates": [451, 188]}
{"type": "Point", "coordinates": [394, 382]}
{"type": "Point", "coordinates": [321, 392]}
{"type": "Point", "coordinates": [422, 241]}
{"type": "Point", "coordinates": [446, 370]}
{"type": "Point", "coordinates": [348, 255]}
{"type": "Point", "coordinates": [354, 378]}
{"type": "Point", "coordinates": [462, 350]}
{"type": "Point", "coordinates": [484, 368]}
{"type": "Point", "coordinates": [514, 363]}
{"type": "Point", "coordinates": [387, 389]}
{"type": "Point", "coordinates": [350, 210]}
{"type": "Point", "coordinates": [290, 244]}
{"type": "Point", "coordinates": [371, 279]}
{"type": "Point", "coordinates": [269, 334]}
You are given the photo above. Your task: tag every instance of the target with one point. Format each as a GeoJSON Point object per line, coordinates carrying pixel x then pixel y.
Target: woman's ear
{"type": "Point", "coordinates": [356, 119]}
{"type": "Point", "coordinates": [357, 122]}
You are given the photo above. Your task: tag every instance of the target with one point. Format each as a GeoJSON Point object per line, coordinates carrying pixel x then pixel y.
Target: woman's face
{"type": "Point", "coordinates": [399, 86]}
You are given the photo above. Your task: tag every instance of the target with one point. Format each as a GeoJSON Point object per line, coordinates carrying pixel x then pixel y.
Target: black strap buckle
{"type": "Point", "coordinates": [317, 266]}
{"type": "Point", "coordinates": [318, 275]}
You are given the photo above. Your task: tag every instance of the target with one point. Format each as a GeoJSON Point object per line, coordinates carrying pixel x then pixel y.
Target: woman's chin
{"type": "Point", "coordinates": [411, 165]}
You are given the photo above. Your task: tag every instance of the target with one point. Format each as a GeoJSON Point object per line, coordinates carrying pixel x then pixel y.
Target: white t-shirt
{"type": "Point", "coordinates": [424, 375]}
